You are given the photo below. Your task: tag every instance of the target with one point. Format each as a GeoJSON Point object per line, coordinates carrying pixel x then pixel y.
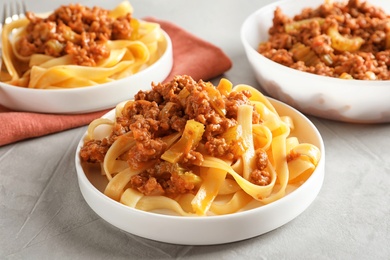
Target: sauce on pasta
{"type": "Point", "coordinates": [78, 46]}
{"type": "Point", "coordinates": [186, 146]}
{"type": "Point", "coordinates": [348, 40]}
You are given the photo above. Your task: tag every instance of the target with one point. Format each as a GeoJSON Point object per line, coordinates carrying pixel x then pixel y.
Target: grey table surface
{"type": "Point", "coordinates": [44, 216]}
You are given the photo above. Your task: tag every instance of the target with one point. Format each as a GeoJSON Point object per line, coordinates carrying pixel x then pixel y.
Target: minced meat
{"type": "Point", "coordinates": [306, 42]}
{"type": "Point", "coordinates": [164, 110]}
{"type": "Point", "coordinates": [74, 29]}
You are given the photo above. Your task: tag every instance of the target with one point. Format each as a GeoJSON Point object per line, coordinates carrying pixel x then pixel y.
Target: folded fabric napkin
{"type": "Point", "coordinates": [191, 56]}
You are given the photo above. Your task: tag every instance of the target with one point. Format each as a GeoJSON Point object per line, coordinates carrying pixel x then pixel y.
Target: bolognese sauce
{"type": "Point", "coordinates": [74, 29]}
{"type": "Point", "coordinates": [337, 39]}
{"type": "Point", "coordinates": [165, 110]}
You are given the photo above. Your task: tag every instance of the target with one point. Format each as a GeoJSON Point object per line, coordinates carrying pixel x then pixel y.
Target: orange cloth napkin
{"type": "Point", "coordinates": [191, 56]}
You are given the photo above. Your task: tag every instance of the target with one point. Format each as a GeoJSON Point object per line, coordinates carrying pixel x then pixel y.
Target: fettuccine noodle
{"type": "Point", "coordinates": [223, 183]}
{"type": "Point", "coordinates": [126, 56]}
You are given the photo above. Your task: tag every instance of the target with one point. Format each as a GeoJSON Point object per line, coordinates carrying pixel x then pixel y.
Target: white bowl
{"type": "Point", "coordinates": [343, 100]}
{"type": "Point", "coordinates": [92, 98]}
{"type": "Point", "coordinates": [210, 230]}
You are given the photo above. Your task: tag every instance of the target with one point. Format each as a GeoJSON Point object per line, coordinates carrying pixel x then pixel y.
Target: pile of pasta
{"type": "Point", "coordinates": [223, 184]}
{"type": "Point", "coordinates": [43, 71]}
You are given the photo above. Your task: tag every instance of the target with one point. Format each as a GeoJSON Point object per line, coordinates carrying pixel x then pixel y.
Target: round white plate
{"type": "Point", "coordinates": [210, 230]}
{"type": "Point", "coordinates": [92, 98]}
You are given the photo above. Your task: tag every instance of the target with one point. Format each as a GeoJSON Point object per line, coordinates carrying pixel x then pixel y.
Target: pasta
{"type": "Point", "coordinates": [76, 46]}
{"type": "Point", "coordinates": [196, 149]}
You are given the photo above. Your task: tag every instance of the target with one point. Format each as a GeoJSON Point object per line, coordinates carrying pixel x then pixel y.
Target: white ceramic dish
{"type": "Point", "coordinates": [332, 98]}
{"type": "Point", "coordinates": [211, 229]}
{"type": "Point", "coordinates": [88, 99]}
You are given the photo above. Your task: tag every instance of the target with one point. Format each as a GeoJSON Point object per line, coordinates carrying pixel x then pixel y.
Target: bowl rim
{"type": "Point", "coordinates": [331, 80]}
{"type": "Point", "coordinates": [318, 172]}
{"type": "Point", "coordinates": [167, 52]}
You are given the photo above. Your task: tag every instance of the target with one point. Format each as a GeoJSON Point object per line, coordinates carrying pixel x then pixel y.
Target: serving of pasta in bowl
{"type": "Point", "coordinates": [326, 58]}
{"type": "Point", "coordinates": [192, 163]}
{"type": "Point", "coordinates": [80, 59]}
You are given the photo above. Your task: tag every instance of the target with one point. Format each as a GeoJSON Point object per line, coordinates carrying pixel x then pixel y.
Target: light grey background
{"type": "Point", "coordinates": [44, 216]}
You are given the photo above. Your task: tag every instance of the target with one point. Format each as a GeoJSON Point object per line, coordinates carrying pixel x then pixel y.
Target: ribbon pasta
{"type": "Point", "coordinates": [223, 185]}
{"type": "Point", "coordinates": [127, 57]}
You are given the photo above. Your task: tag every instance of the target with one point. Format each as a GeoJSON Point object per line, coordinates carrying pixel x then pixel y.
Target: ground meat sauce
{"type": "Point", "coordinates": [76, 30]}
{"type": "Point", "coordinates": [343, 40]}
{"type": "Point", "coordinates": [165, 110]}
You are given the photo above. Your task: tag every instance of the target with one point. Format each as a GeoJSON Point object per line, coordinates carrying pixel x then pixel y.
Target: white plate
{"type": "Point", "coordinates": [211, 229]}
{"type": "Point", "coordinates": [358, 101]}
{"type": "Point", "coordinates": [92, 98]}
